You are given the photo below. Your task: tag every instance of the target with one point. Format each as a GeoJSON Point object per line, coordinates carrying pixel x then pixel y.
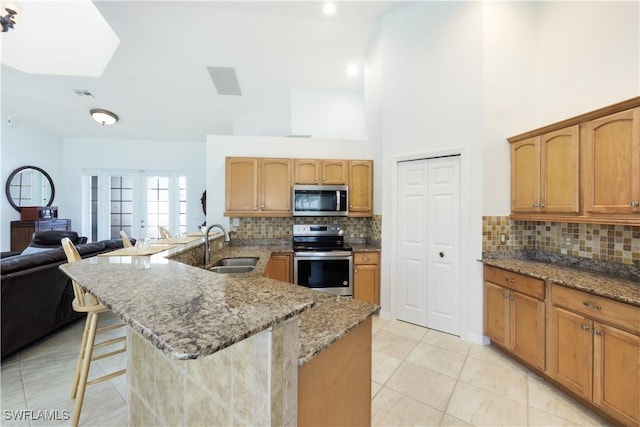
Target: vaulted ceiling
{"type": "Point", "coordinates": [157, 80]}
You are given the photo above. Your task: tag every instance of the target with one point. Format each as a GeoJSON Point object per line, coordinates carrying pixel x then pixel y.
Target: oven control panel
{"type": "Point", "coordinates": [317, 230]}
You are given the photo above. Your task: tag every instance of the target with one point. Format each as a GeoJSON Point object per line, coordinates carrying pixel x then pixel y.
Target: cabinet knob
{"type": "Point", "coordinates": [585, 327]}
{"type": "Point", "coordinates": [506, 279]}
{"type": "Point", "coordinates": [597, 332]}
{"type": "Point", "coordinates": [441, 254]}
{"type": "Point", "coordinates": [541, 205]}
{"type": "Point", "coordinates": [365, 258]}
{"type": "Point", "coordinates": [635, 204]}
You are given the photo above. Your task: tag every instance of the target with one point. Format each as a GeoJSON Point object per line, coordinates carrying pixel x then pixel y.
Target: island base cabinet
{"type": "Point", "coordinates": [334, 388]}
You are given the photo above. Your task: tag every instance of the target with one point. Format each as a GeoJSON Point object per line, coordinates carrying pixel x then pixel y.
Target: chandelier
{"type": "Point", "coordinates": [8, 20]}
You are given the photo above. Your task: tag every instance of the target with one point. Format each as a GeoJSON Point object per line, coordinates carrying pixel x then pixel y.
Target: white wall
{"type": "Point", "coordinates": [327, 114]}
{"type": "Point", "coordinates": [221, 146]}
{"type": "Point", "coordinates": [26, 143]}
{"type": "Point", "coordinates": [271, 119]}
{"type": "Point", "coordinates": [185, 157]}
{"type": "Point", "coordinates": [471, 74]}
{"type": "Point", "coordinates": [431, 98]}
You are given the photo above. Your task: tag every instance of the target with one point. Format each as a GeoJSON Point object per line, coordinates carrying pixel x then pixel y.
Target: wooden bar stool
{"type": "Point", "coordinates": [86, 303]}
{"type": "Point", "coordinates": [125, 240]}
{"type": "Point", "coordinates": [164, 233]}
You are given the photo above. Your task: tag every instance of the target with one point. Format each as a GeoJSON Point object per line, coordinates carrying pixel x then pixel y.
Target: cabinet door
{"type": "Point", "coordinates": [612, 163]}
{"type": "Point", "coordinates": [527, 329]}
{"type": "Point", "coordinates": [279, 268]}
{"type": "Point", "coordinates": [616, 382]}
{"type": "Point", "coordinates": [571, 351]}
{"type": "Point", "coordinates": [334, 172]}
{"type": "Point", "coordinates": [525, 175]}
{"type": "Point", "coordinates": [275, 185]}
{"type": "Point", "coordinates": [365, 280]}
{"type": "Point", "coordinates": [307, 171]}
{"type": "Point", "coordinates": [560, 171]}
{"type": "Point", "coordinates": [241, 184]}
{"type": "Point", "coordinates": [496, 313]}
{"type": "Point", "coordinates": [360, 188]}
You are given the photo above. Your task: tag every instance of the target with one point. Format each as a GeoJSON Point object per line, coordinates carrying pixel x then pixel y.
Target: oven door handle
{"type": "Point", "coordinates": [323, 255]}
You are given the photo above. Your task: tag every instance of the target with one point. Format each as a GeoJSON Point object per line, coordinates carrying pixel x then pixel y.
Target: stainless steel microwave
{"type": "Point", "coordinates": [320, 200]}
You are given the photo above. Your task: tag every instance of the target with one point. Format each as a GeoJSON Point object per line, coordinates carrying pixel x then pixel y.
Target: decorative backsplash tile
{"type": "Point", "coordinates": [357, 230]}
{"type": "Point", "coordinates": [611, 243]}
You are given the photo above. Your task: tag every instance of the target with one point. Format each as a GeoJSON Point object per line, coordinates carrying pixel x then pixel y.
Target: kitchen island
{"type": "Point", "coordinates": [207, 348]}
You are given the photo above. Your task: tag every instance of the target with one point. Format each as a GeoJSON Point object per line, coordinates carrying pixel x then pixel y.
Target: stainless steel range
{"type": "Point", "coordinates": [321, 260]}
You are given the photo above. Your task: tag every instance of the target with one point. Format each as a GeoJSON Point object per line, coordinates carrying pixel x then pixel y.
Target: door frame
{"type": "Point", "coordinates": [464, 220]}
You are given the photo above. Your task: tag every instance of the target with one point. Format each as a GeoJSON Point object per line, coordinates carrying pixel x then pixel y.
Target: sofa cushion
{"type": "Point", "coordinates": [49, 238]}
{"type": "Point", "coordinates": [34, 250]}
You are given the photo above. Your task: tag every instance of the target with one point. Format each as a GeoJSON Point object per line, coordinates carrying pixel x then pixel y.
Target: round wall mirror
{"type": "Point", "coordinates": [29, 186]}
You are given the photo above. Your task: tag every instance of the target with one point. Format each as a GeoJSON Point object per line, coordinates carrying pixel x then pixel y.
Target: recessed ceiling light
{"type": "Point", "coordinates": [329, 8]}
{"type": "Point", "coordinates": [352, 70]}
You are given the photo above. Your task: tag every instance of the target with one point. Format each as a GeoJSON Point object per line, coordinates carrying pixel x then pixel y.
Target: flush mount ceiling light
{"type": "Point", "coordinates": [8, 20]}
{"type": "Point", "coordinates": [104, 117]}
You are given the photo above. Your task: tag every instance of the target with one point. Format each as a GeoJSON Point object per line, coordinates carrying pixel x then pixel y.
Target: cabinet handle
{"type": "Point", "coordinates": [541, 205]}
{"type": "Point", "coordinates": [594, 306]}
{"type": "Point", "coordinates": [535, 205]}
{"type": "Point", "coordinates": [585, 327]}
{"type": "Point", "coordinates": [597, 332]}
{"type": "Point", "coordinates": [506, 279]}
{"type": "Point", "coordinates": [635, 204]}
{"type": "Point", "coordinates": [365, 258]}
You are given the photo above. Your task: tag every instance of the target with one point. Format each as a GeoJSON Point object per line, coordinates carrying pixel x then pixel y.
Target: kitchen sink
{"type": "Point", "coordinates": [234, 265]}
{"type": "Point", "coordinates": [241, 261]}
{"type": "Point", "coordinates": [231, 268]}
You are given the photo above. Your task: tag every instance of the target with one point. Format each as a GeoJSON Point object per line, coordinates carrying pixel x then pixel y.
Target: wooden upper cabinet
{"type": "Point", "coordinates": [360, 187]}
{"type": "Point", "coordinates": [583, 169]}
{"type": "Point", "coordinates": [257, 186]}
{"type": "Point", "coordinates": [545, 173]}
{"type": "Point", "coordinates": [612, 164]}
{"type": "Point", "coordinates": [275, 185]}
{"type": "Point", "coordinates": [560, 171]}
{"type": "Point", "coordinates": [329, 172]}
{"type": "Point", "coordinates": [525, 175]}
{"type": "Point", "coordinates": [241, 184]}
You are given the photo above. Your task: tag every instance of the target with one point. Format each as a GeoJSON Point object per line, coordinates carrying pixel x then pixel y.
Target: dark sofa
{"type": "Point", "coordinates": [37, 296]}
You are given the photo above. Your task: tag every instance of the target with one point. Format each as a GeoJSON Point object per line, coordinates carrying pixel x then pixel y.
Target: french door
{"type": "Point", "coordinates": [428, 259]}
{"type": "Point", "coordinates": [136, 202]}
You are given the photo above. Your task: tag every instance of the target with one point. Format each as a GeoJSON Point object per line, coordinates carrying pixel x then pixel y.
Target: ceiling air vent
{"type": "Point", "coordinates": [83, 92]}
{"type": "Point", "coordinates": [225, 80]}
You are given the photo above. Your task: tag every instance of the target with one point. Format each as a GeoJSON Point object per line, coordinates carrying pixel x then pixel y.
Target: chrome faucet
{"type": "Point", "coordinates": [207, 249]}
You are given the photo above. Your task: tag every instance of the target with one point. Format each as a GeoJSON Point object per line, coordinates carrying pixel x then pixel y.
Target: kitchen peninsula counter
{"type": "Point", "coordinates": [251, 350]}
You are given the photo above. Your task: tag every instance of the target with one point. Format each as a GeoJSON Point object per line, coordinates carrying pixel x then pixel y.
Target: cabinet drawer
{"type": "Point", "coordinates": [518, 282]}
{"type": "Point", "coordinates": [366, 258]}
{"type": "Point", "coordinates": [613, 312]}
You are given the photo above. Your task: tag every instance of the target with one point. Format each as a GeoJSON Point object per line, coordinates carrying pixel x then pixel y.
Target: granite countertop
{"type": "Point", "coordinates": [189, 312]}
{"type": "Point", "coordinates": [623, 290]}
{"type": "Point", "coordinates": [365, 248]}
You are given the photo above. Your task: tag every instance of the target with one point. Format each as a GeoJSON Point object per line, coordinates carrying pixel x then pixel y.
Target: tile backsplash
{"type": "Point", "coordinates": [357, 230]}
{"type": "Point", "coordinates": [611, 243]}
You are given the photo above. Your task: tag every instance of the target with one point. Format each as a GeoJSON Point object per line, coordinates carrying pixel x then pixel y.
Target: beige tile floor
{"type": "Point", "coordinates": [420, 377]}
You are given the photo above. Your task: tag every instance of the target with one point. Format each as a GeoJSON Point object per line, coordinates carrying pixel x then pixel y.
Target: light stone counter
{"type": "Point", "coordinates": [189, 312]}
{"type": "Point", "coordinates": [623, 290]}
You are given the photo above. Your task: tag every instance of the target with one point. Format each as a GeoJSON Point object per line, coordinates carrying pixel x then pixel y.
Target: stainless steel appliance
{"type": "Point", "coordinates": [320, 200]}
{"type": "Point", "coordinates": [321, 260]}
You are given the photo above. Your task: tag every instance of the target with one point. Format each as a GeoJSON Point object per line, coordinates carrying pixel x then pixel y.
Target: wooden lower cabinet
{"type": "Point", "coordinates": [514, 320]}
{"type": "Point", "coordinates": [280, 267]}
{"type": "Point", "coordinates": [334, 388]}
{"type": "Point", "coordinates": [591, 353]}
{"type": "Point", "coordinates": [366, 277]}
